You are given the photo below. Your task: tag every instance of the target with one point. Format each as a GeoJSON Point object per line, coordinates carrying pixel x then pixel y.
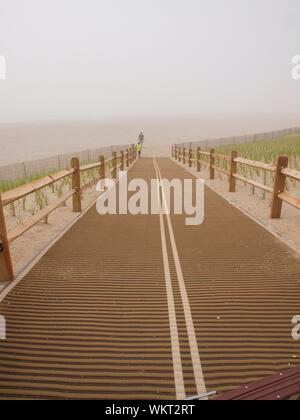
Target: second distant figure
{"type": "Point", "coordinates": [141, 138]}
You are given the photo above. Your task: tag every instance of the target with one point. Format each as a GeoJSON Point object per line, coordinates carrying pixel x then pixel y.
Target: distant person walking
{"type": "Point", "coordinates": [141, 138]}
{"type": "Point", "coordinates": [139, 148]}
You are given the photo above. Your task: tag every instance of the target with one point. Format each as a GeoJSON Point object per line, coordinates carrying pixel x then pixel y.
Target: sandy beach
{"type": "Point", "coordinates": [22, 142]}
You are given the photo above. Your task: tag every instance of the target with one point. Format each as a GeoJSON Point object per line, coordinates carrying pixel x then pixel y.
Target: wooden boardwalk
{"type": "Point", "coordinates": [127, 307]}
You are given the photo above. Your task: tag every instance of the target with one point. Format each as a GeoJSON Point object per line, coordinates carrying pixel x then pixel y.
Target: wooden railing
{"type": "Point", "coordinates": [212, 160]}
{"type": "Point", "coordinates": [281, 386]}
{"type": "Point", "coordinates": [112, 165]}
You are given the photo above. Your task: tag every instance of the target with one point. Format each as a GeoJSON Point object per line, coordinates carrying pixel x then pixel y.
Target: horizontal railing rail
{"type": "Point", "coordinates": [20, 230]}
{"type": "Point", "coordinates": [24, 190]}
{"type": "Point", "coordinates": [212, 160]}
{"type": "Point", "coordinates": [111, 165]}
{"type": "Point", "coordinates": [291, 173]}
{"type": "Point", "coordinates": [255, 164]}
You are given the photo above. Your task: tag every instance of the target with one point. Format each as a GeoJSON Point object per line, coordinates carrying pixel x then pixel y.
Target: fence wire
{"type": "Point", "coordinates": [55, 163]}
{"type": "Point", "coordinates": [208, 144]}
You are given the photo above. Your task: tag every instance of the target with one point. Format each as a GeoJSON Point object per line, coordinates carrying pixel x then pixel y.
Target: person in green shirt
{"type": "Point", "coordinates": [139, 148]}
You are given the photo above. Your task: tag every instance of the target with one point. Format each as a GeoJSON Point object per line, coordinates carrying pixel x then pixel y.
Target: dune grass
{"type": "Point", "coordinates": [10, 185]}
{"type": "Point", "coordinates": [268, 151]}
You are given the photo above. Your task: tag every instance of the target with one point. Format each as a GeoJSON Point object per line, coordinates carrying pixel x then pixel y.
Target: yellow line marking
{"type": "Point", "coordinates": [197, 365]}
{"type": "Point", "coordinates": [177, 362]}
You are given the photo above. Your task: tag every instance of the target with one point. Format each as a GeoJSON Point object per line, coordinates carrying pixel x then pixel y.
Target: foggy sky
{"type": "Point", "coordinates": [91, 59]}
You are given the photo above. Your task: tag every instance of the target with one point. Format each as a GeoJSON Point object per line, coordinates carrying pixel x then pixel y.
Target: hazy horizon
{"type": "Point", "coordinates": [29, 141]}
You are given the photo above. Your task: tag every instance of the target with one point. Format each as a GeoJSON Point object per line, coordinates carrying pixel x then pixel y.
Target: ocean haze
{"type": "Point", "coordinates": [28, 141]}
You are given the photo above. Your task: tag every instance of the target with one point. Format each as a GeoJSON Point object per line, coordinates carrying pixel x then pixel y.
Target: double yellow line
{"type": "Point", "coordinates": [195, 356]}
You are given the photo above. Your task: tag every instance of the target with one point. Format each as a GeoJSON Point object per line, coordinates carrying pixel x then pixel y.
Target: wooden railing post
{"type": "Point", "coordinates": [190, 158]}
{"type": "Point", "coordinates": [130, 156]}
{"type": "Point", "coordinates": [172, 152]}
{"type": "Point", "coordinates": [127, 158]}
{"type": "Point", "coordinates": [102, 167]}
{"type": "Point", "coordinates": [6, 266]}
{"type": "Point", "coordinates": [233, 171]}
{"type": "Point", "coordinates": [198, 159]}
{"type": "Point", "coordinates": [183, 157]}
{"type": "Point", "coordinates": [114, 165]}
{"type": "Point", "coordinates": [180, 155]}
{"type": "Point", "coordinates": [176, 152]}
{"type": "Point", "coordinates": [212, 163]}
{"type": "Point", "coordinates": [279, 187]}
{"type": "Point", "coordinates": [122, 161]}
{"type": "Point", "coordinates": [76, 185]}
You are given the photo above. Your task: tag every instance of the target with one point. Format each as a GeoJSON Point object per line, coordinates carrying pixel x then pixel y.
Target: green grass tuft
{"type": "Point", "coordinates": [268, 151]}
